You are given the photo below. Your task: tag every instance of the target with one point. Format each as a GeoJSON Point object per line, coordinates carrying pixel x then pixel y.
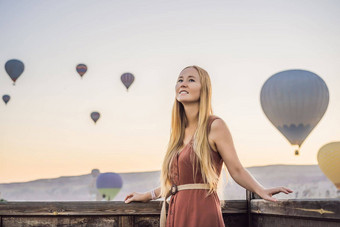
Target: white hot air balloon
{"type": "Point", "coordinates": [294, 101]}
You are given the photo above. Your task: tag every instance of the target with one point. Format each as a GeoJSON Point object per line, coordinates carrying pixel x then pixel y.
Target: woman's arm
{"type": "Point", "coordinates": [142, 197]}
{"type": "Point", "coordinates": [222, 138]}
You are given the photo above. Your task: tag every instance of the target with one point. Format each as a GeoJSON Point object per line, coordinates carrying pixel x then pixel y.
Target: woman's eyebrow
{"type": "Point", "coordinates": [188, 76]}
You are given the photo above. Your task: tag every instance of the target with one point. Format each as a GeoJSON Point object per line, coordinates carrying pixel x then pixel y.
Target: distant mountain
{"type": "Point", "coordinates": [307, 181]}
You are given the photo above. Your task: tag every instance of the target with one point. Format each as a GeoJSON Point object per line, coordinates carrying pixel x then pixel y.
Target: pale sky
{"type": "Point", "coordinates": [46, 130]}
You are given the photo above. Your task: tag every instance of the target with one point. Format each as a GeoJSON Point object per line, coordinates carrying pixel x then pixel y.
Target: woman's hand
{"type": "Point", "coordinates": [138, 197]}
{"type": "Point", "coordinates": [267, 193]}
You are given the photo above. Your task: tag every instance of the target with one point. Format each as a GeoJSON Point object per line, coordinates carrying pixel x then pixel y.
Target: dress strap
{"type": "Point", "coordinates": [210, 121]}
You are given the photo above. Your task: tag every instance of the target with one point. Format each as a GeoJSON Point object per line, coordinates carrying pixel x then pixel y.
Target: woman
{"type": "Point", "coordinates": [199, 144]}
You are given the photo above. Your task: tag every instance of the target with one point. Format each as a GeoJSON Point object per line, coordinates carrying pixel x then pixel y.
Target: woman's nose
{"type": "Point", "coordinates": [184, 84]}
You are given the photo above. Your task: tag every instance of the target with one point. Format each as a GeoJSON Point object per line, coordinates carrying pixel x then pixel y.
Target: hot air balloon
{"type": "Point", "coordinates": [294, 101]}
{"type": "Point", "coordinates": [94, 193]}
{"type": "Point", "coordinates": [95, 172]}
{"type": "Point", "coordinates": [6, 98]}
{"type": "Point", "coordinates": [127, 79]}
{"type": "Point", "coordinates": [14, 68]}
{"type": "Point", "coordinates": [109, 184]}
{"type": "Point", "coordinates": [329, 162]}
{"type": "Point", "coordinates": [95, 116]}
{"type": "Point", "coordinates": [81, 69]}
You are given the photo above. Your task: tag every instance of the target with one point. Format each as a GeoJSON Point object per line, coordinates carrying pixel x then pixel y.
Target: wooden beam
{"type": "Point", "coordinates": [311, 208]}
{"type": "Point", "coordinates": [99, 208]}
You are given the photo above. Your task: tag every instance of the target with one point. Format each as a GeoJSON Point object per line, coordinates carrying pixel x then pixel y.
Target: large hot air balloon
{"type": "Point", "coordinates": [329, 162]}
{"type": "Point", "coordinates": [6, 98]}
{"type": "Point", "coordinates": [95, 116]}
{"type": "Point", "coordinates": [127, 79]}
{"type": "Point", "coordinates": [81, 69]}
{"type": "Point", "coordinates": [294, 101]}
{"type": "Point", "coordinates": [14, 68]}
{"type": "Point", "coordinates": [109, 184]}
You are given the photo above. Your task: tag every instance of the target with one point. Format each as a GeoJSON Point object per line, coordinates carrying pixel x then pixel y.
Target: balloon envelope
{"type": "Point", "coordinates": [95, 116]}
{"type": "Point", "coordinates": [127, 79]}
{"type": "Point", "coordinates": [6, 98]}
{"type": "Point", "coordinates": [294, 101]}
{"type": "Point", "coordinates": [14, 68]}
{"type": "Point", "coordinates": [109, 184]}
{"type": "Point", "coordinates": [81, 69]}
{"type": "Point", "coordinates": [329, 162]}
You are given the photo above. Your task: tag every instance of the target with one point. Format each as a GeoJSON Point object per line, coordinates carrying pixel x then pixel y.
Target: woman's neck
{"type": "Point", "coordinates": [191, 112]}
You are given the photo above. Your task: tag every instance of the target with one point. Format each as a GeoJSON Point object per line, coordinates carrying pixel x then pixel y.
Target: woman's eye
{"type": "Point", "coordinates": [180, 80]}
{"type": "Point", "coordinates": [192, 80]}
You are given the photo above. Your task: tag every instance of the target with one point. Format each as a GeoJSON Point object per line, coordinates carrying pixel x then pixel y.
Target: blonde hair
{"type": "Point", "coordinates": [201, 143]}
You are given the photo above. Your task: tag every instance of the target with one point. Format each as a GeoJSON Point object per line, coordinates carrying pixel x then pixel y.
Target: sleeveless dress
{"type": "Point", "coordinates": [191, 208]}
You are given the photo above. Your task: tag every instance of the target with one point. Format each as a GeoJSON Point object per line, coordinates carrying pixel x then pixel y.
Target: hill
{"type": "Point", "coordinates": [307, 181]}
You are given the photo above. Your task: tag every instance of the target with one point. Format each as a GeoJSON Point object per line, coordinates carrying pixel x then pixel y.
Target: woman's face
{"type": "Point", "coordinates": [188, 86]}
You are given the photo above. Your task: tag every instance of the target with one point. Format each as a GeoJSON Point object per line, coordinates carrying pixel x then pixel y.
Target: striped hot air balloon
{"type": "Point", "coordinates": [127, 79]}
{"type": "Point", "coordinates": [109, 184]}
{"type": "Point", "coordinates": [81, 69]}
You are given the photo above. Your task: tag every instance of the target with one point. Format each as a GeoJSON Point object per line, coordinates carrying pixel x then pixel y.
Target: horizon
{"type": "Point", "coordinates": [223, 169]}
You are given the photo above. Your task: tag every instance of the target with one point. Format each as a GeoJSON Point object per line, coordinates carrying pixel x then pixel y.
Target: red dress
{"type": "Point", "coordinates": [190, 208]}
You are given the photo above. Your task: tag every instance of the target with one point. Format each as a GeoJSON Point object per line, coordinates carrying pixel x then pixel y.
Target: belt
{"type": "Point", "coordinates": [174, 189]}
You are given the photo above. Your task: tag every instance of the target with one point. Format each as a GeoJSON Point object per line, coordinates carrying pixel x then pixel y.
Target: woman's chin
{"type": "Point", "coordinates": [182, 100]}
{"type": "Point", "coordinates": [186, 101]}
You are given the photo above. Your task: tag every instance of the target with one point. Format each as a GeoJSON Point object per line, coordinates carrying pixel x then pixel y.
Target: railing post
{"type": "Point", "coordinates": [249, 196]}
{"type": "Point", "coordinates": [126, 221]}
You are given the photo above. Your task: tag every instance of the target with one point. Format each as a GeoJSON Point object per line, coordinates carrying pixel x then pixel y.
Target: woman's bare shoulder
{"type": "Point", "coordinates": [215, 119]}
{"type": "Point", "coordinates": [218, 125]}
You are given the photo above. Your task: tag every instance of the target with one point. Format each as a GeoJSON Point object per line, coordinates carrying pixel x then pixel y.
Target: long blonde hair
{"type": "Point", "coordinates": [201, 143]}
